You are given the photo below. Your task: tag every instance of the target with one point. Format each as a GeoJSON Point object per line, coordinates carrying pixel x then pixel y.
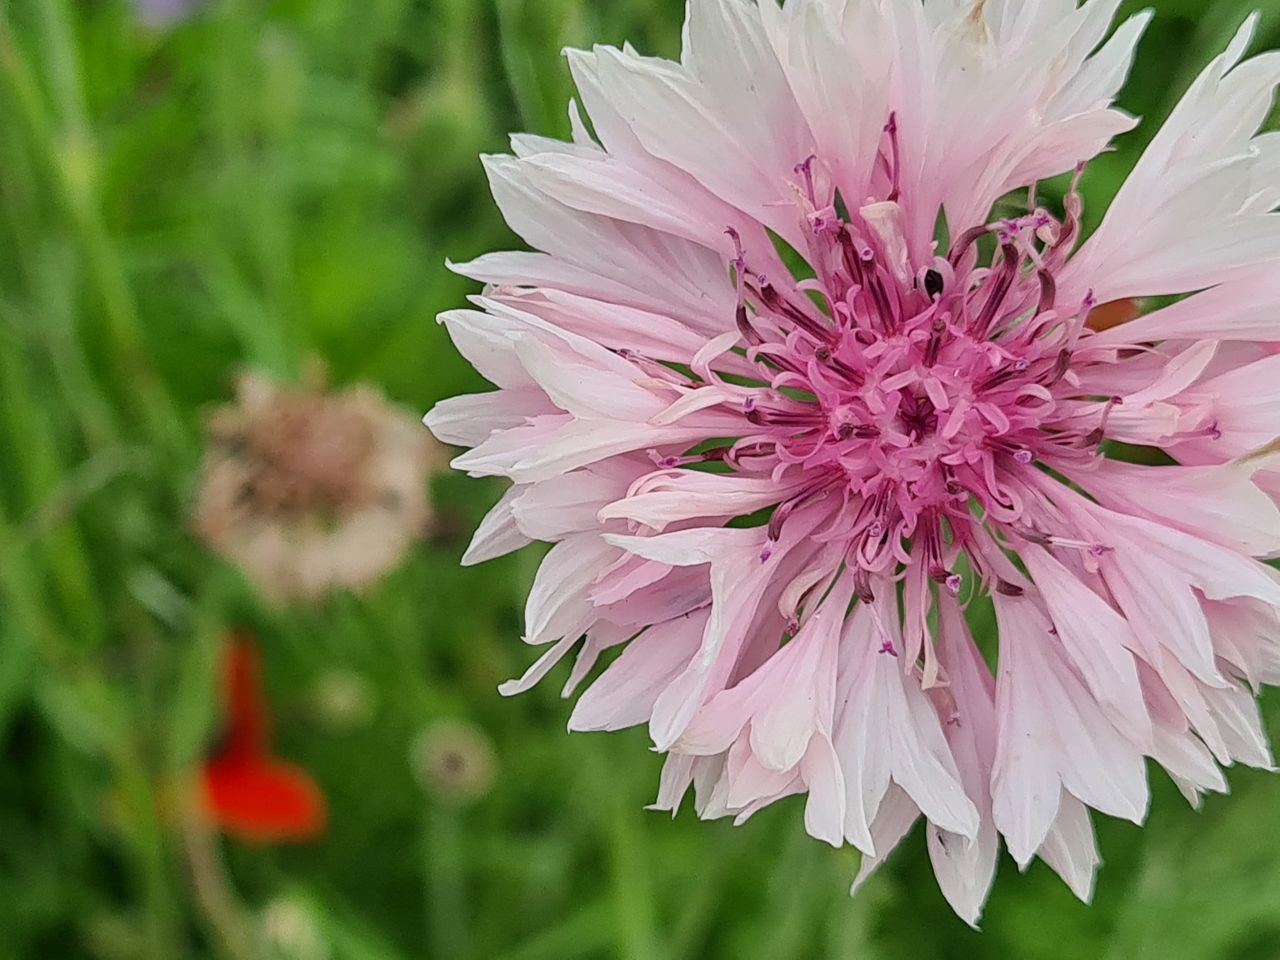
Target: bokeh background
{"type": "Point", "coordinates": [187, 190]}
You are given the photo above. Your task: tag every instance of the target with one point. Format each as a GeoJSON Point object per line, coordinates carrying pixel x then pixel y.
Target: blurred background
{"type": "Point", "coordinates": [191, 190]}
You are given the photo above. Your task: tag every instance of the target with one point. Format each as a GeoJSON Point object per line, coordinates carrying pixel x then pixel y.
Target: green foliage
{"type": "Point", "coordinates": [272, 181]}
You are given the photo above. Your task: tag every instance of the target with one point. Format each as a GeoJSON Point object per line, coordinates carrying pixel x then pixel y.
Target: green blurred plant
{"type": "Point", "coordinates": [273, 180]}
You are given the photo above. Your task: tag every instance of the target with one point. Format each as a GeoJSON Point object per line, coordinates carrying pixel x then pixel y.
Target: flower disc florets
{"type": "Point", "coordinates": [911, 393]}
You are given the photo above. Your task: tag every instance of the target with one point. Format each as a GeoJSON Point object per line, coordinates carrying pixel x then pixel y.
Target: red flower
{"type": "Point", "coordinates": [248, 793]}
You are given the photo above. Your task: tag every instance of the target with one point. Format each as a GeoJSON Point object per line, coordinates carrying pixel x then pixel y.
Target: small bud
{"type": "Point", "coordinates": [291, 929]}
{"type": "Point", "coordinates": [344, 700]}
{"type": "Point", "coordinates": [454, 762]}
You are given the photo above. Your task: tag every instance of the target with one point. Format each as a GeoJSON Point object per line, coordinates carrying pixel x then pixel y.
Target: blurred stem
{"type": "Point", "coordinates": [689, 933]}
{"type": "Point", "coordinates": [633, 893]}
{"type": "Point", "coordinates": [139, 790]}
{"type": "Point", "coordinates": [791, 891]}
{"type": "Point", "coordinates": [521, 75]}
{"type": "Point", "coordinates": [20, 596]}
{"type": "Point", "coordinates": [257, 197]}
{"type": "Point", "coordinates": [446, 907]}
{"type": "Point", "coordinates": [459, 68]}
{"type": "Point", "coordinates": [64, 74]}
{"type": "Point", "coordinates": [53, 514]}
{"type": "Point", "coordinates": [61, 143]}
{"type": "Point", "coordinates": [38, 472]}
{"type": "Point", "coordinates": [71, 158]}
{"type": "Point", "coordinates": [228, 925]}
{"type": "Point", "coordinates": [23, 602]}
{"type": "Point", "coordinates": [44, 277]}
{"type": "Point", "coordinates": [538, 100]}
{"type": "Point", "coordinates": [583, 935]}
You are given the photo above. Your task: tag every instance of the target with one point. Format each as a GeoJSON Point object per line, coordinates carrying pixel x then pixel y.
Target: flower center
{"type": "Point", "coordinates": [309, 453]}
{"type": "Point", "coordinates": [917, 393]}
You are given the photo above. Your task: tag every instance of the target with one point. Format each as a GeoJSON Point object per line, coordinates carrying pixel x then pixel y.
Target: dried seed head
{"type": "Point", "coordinates": [308, 490]}
{"type": "Point", "coordinates": [454, 762]}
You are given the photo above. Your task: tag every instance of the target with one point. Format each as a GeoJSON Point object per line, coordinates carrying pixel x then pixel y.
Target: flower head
{"type": "Point", "coordinates": [244, 790]}
{"type": "Point", "coordinates": [789, 399]}
{"type": "Point", "coordinates": [454, 762]}
{"type": "Point", "coordinates": [308, 490]}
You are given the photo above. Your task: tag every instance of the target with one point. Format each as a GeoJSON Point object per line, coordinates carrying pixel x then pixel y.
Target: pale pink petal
{"type": "Point", "coordinates": [498, 533]}
{"type": "Point", "coordinates": [966, 869]}
{"type": "Point", "coordinates": [1245, 309]}
{"type": "Point", "coordinates": [824, 813]}
{"type": "Point", "coordinates": [486, 343]}
{"type": "Point", "coordinates": [677, 777]}
{"type": "Point", "coordinates": [602, 636]}
{"type": "Point", "coordinates": [468, 421]}
{"type": "Point", "coordinates": [541, 667]}
{"type": "Point", "coordinates": [1036, 693]}
{"type": "Point", "coordinates": [675, 495]}
{"type": "Point", "coordinates": [1246, 634]}
{"type": "Point", "coordinates": [695, 118]}
{"type": "Point", "coordinates": [558, 602]}
{"type": "Point", "coordinates": [1071, 848]}
{"type": "Point", "coordinates": [803, 675]}
{"type": "Point", "coordinates": [1216, 571]}
{"type": "Point", "coordinates": [740, 570]}
{"type": "Point", "coordinates": [553, 509]}
{"type": "Point", "coordinates": [1189, 762]}
{"type": "Point", "coordinates": [659, 267]}
{"type": "Point", "coordinates": [624, 695]}
{"type": "Point", "coordinates": [839, 70]}
{"type": "Point", "coordinates": [1242, 411]}
{"type": "Point", "coordinates": [1220, 504]}
{"type": "Point", "coordinates": [1096, 639]}
{"type": "Point", "coordinates": [1197, 172]}
{"type": "Point", "coordinates": [894, 820]}
{"type": "Point", "coordinates": [1238, 719]}
{"type": "Point", "coordinates": [888, 729]}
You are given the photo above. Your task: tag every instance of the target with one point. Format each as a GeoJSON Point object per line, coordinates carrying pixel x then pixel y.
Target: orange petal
{"type": "Point", "coordinates": [1113, 314]}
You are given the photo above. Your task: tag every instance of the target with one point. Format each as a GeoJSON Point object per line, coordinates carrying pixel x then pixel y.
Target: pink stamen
{"type": "Point", "coordinates": [918, 399]}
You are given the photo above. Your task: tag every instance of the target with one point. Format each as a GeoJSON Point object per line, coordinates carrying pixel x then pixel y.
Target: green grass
{"type": "Point", "coordinates": [274, 181]}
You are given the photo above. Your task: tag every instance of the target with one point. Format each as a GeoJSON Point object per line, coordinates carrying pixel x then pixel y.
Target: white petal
{"type": "Point", "coordinates": [897, 815]}
{"type": "Point", "coordinates": [469, 420]}
{"type": "Point", "coordinates": [966, 869]}
{"type": "Point", "coordinates": [497, 534]}
{"type": "Point", "coordinates": [1245, 309]}
{"type": "Point", "coordinates": [624, 695]}
{"type": "Point", "coordinates": [1217, 503]}
{"type": "Point", "coordinates": [1187, 218]}
{"type": "Point", "coordinates": [668, 497]}
{"type": "Point", "coordinates": [1071, 848]}
{"type": "Point", "coordinates": [1052, 733]}
{"type": "Point", "coordinates": [558, 601]}
{"type": "Point", "coordinates": [1097, 639]}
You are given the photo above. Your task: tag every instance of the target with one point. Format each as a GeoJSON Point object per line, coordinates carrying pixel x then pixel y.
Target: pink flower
{"type": "Point", "coordinates": [788, 401]}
